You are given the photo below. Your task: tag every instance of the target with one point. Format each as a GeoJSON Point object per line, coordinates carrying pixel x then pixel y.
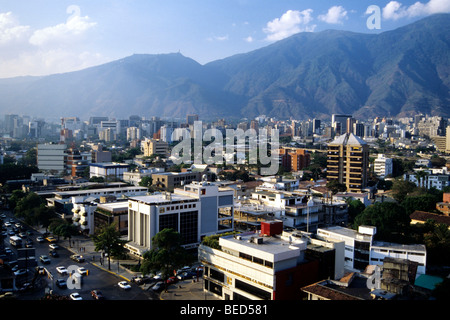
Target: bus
{"type": "Point", "coordinates": [15, 241]}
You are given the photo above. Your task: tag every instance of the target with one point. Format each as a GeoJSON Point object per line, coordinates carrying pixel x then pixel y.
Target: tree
{"type": "Point", "coordinates": [424, 202]}
{"type": "Point", "coordinates": [390, 219]}
{"type": "Point", "coordinates": [62, 228]}
{"type": "Point", "coordinates": [108, 240]}
{"type": "Point", "coordinates": [437, 242]}
{"type": "Point", "coordinates": [355, 208]}
{"type": "Point", "coordinates": [166, 254]}
{"type": "Point", "coordinates": [401, 188]}
{"type": "Point", "coordinates": [335, 186]}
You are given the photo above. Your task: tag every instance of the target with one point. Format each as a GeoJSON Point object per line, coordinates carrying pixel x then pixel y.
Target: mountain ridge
{"type": "Point", "coordinates": [395, 73]}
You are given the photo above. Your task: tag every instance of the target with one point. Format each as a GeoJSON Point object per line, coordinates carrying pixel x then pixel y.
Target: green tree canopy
{"type": "Point", "coordinates": [108, 240]}
{"type": "Point", "coordinates": [390, 219]}
{"type": "Point", "coordinates": [166, 254]}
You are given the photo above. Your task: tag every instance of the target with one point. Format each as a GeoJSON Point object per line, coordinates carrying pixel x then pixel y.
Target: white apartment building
{"type": "Point", "coordinates": [266, 265]}
{"type": "Point", "coordinates": [383, 166]}
{"type": "Point", "coordinates": [361, 250]}
{"type": "Point", "coordinates": [195, 211]}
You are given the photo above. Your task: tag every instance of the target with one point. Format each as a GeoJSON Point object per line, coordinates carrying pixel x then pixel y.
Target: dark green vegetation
{"type": "Point", "coordinates": [399, 72]}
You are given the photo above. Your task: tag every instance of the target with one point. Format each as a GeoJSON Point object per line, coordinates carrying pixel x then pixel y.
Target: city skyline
{"type": "Point", "coordinates": [47, 37]}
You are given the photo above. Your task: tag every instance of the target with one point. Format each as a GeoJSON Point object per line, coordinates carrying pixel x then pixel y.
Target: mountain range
{"type": "Point", "coordinates": [395, 73]}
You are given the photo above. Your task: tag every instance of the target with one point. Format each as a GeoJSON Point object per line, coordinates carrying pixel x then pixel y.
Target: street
{"type": "Point", "coordinates": [97, 278]}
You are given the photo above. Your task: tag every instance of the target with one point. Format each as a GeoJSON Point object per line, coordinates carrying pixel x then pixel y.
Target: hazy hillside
{"type": "Point", "coordinates": [398, 72]}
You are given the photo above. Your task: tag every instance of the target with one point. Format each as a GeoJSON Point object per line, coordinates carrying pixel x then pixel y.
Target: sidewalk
{"type": "Point", "coordinates": [187, 290]}
{"type": "Point", "coordinates": [84, 246]}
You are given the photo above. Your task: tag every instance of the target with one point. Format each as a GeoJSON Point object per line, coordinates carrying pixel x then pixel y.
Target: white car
{"type": "Point", "coordinates": [61, 270]}
{"type": "Point", "coordinates": [82, 271]}
{"type": "Point", "coordinates": [53, 246]}
{"type": "Point", "coordinates": [75, 296]}
{"type": "Point", "coordinates": [124, 285]}
{"type": "Point", "coordinates": [7, 224]}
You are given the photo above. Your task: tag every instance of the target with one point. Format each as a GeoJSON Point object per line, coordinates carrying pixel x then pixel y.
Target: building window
{"type": "Point", "coordinates": [189, 226]}
{"type": "Point", "coordinates": [168, 221]}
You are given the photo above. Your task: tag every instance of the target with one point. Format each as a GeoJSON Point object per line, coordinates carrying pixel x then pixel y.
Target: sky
{"type": "Point", "coordinates": [41, 37]}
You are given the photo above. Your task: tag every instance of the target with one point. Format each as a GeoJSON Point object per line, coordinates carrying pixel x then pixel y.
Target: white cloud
{"type": "Point", "coordinates": [218, 38]}
{"type": "Point", "coordinates": [249, 39]}
{"type": "Point", "coordinates": [335, 15]}
{"type": "Point", "coordinates": [290, 23]}
{"type": "Point", "coordinates": [395, 10]}
{"type": "Point", "coordinates": [73, 27]}
{"type": "Point", "coordinates": [10, 29]}
{"type": "Point", "coordinates": [52, 49]}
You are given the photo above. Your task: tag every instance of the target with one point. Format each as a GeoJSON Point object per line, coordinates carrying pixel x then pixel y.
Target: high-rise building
{"type": "Point", "coordinates": [339, 123]}
{"type": "Point", "coordinates": [51, 157]}
{"type": "Point", "coordinates": [348, 162]}
{"type": "Point", "coordinates": [294, 159]}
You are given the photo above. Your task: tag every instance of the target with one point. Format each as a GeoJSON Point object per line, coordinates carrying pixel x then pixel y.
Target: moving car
{"type": "Point", "coordinates": [97, 295]}
{"type": "Point", "coordinates": [61, 283]}
{"type": "Point", "coordinates": [44, 259]}
{"type": "Point", "coordinates": [61, 270]}
{"type": "Point", "coordinates": [82, 271]}
{"type": "Point", "coordinates": [40, 239]}
{"type": "Point", "coordinates": [54, 246]}
{"type": "Point", "coordinates": [51, 239]}
{"type": "Point", "coordinates": [75, 296]}
{"type": "Point", "coordinates": [77, 258]}
{"type": "Point", "coordinates": [124, 285]}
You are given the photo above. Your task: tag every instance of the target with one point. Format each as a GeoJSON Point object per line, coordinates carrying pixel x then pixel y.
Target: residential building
{"type": "Point", "coordinates": [99, 155]}
{"type": "Point", "coordinates": [51, 157]}
{"type": "Point", "coordinates": [348, 162]}
{"type": "Point", "coordinates": [294, 159]}
{"type": "Point", "coordinates": [155, 147]}
{"type": "Point", "coordinates": [383, 166]}
{"type": "Point", "coordinates": [195, 211]}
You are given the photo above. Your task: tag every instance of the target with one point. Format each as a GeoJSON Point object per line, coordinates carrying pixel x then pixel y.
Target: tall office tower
{"type": "Point", "coordinates": [316, 126]}
{"type": "Point", "coordinates": [348, 162]}
{"type": "Point", "coordinates": [341, 119]}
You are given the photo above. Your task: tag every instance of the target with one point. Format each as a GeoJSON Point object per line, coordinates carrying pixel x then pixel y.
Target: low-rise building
{"type": "Point", "coordinates": [195, 211]}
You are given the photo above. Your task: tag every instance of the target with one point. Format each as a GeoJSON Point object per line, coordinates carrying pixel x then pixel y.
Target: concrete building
{"type": "Point", "coordinates": [266, 265]}
{"type": "Point", "coordinates": [154, 146]}
{"type": "Point", "coordinates": [108, 171]}
{"type": "Point", "coordinates": [171, 180]}
{"type": "Point", "coordinates": [348, 162]}
{"type": "Point", "coordinates": [294, 159]}
{"type": "Point", "coordinates": [383, 166]}
{"type": "Point", "coordinates": [361, 250]}
{"type": "Point", "coordinates": [195, 211]}
{"type": "Point", "coordinates": [51, 157]}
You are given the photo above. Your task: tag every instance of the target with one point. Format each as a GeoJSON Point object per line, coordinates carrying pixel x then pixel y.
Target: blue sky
{"type": "Point", "coordinates": [39, 37]}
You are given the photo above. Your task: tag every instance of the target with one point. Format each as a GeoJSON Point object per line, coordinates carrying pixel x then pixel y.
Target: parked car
{"type": "Point", "coordinates": [172, 280]}
{"type": "Point", "coordinates": [61, 270]}
{"type": "Point", "coordinates": [61, 283]}
{"type": "Point", "coordinates": [21, 272]}
{"type": "Point", "coordinates": [159, 286]}
{"type": "Point", "coordinates": [124, 285]}
{"type": "Point", "coordinates": [97, 295]}
{"type": "Point", "coordinates": [75, 296]}
{"type": "Point", "coordinates": [44, 259]}
{"type": "Point", "coordinates": [187, 275]}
